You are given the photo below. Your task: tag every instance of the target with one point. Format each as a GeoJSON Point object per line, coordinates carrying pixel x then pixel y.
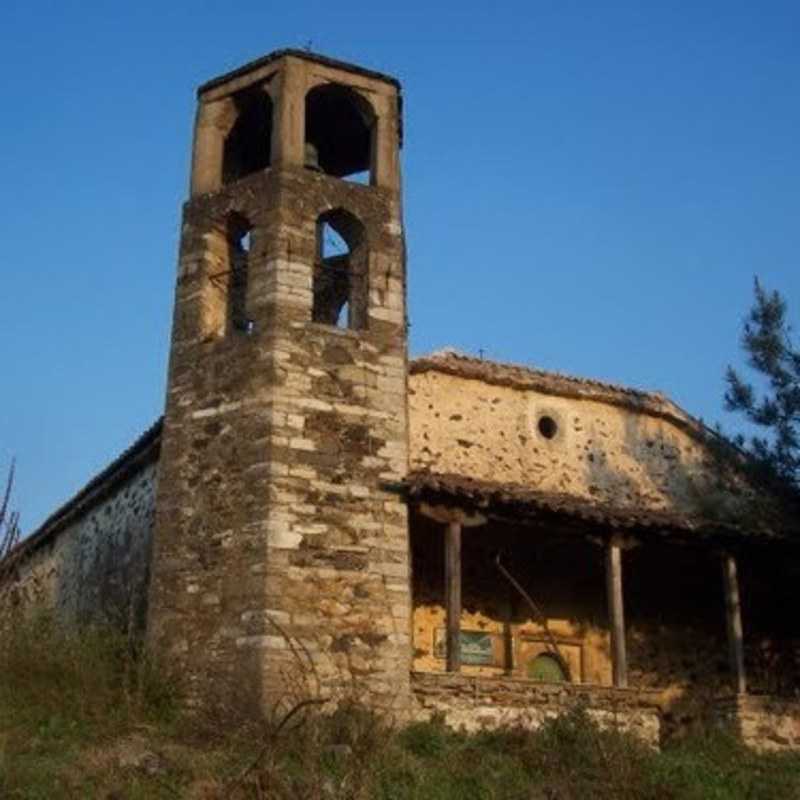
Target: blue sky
{"type": "Point", "coordinates": [589, 187]}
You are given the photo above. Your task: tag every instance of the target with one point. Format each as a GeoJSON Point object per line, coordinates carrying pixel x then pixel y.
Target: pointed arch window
{"type": "Point", "coordinates": [340, 271]}
{"type": "Point", "coordinates": [230, 254]}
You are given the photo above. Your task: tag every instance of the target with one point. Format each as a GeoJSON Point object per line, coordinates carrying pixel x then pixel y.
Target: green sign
{"type": "Point", "coordinates": [476, 647]}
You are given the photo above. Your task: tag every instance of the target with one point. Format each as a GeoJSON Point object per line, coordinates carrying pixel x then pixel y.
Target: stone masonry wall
{"type": "Point", "coordinates": [600, 451]}
{"type": "Point", "coordinates": [338, 543]}
{"type": "Point", "coordinates": [763, 723]}
{"type": "Point", "coordinates": [474, 703]}
{"type": "Point", "coordinates": [279, 558]}
{"type": "Point", "coordinates": [96, 568]}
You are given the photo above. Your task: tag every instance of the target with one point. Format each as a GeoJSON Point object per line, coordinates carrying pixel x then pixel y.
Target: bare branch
{"type": "Point", "coordinates": [9, 528]}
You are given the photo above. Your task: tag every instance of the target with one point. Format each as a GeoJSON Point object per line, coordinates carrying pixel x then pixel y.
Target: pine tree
{"type": "Point", "coordinates": [767, 342]}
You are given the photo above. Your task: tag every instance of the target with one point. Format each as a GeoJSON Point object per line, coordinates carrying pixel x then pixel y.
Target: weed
{"type": "Point", "coordinates": [85, 714]}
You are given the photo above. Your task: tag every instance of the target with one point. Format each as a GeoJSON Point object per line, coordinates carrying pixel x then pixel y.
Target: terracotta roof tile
{"type": "Point", "coordinates": [513, 500]}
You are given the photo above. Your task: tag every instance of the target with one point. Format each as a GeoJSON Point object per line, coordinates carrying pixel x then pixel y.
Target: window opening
{"type": "Point", "coordinates": [229, 253]}
{"type": "Point", "coordinates": [340, 272]}
{"type": "Point", "coordinates": [340, 125]}
{"type": "Point", "coordinates": [248, 144]}
{"type": "Point", "coordinates": [240, 237]}
{"type": "Point", "coordinates": [547, 426]}
{"type": "Point", "coordinates": [239, 244]}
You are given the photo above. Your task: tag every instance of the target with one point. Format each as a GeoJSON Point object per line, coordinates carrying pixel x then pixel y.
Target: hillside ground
{"type": "Point", "coordinates": [84, 715]}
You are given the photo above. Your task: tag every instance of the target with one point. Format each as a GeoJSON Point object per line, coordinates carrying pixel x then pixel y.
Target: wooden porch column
{"type": "Point", "coordinates": [452, 572]}
{"type": "Point", "coordinates": [616, 613]}
{"type": "Point", "coordinates": [733, 618]}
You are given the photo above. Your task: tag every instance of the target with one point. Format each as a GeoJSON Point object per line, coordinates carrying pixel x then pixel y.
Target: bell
{"type": "Point", "coordinates": [312, 157]}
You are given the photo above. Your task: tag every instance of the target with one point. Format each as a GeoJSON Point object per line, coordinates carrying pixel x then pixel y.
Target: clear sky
{"type": "Point", "coordinates": [589, 187]}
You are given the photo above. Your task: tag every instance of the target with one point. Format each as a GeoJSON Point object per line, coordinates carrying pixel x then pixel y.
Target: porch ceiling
{"type": "Point", "coordinates": [507, 501]}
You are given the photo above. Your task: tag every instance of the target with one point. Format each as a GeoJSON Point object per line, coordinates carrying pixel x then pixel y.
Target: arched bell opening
{"type": "Point", "coordinates": [340, 271]}
{"type": "Point", "coordinates": [248, 144]}
{"type": "Point", "coordinates": [339, 136]}
{"type": "Point", "coordinates": [228, 252]}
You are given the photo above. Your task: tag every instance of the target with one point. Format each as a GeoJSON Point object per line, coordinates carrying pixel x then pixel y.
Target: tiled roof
{"type": "Point", "coordinates": [508, 500]}
{"type": "Point", "coordinates": [144, 450]}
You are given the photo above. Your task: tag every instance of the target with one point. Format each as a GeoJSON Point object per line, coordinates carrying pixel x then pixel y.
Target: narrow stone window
{"type": "Point", "coordinates": [230, 249]}
{"type": "Point", "coordinates": [340, 272]}
{"type": "Point", "coordinates": [239, 241]}
{"type": "Point", "coordinates": [340, 129]}
{"type": "Point", "coordinates": [247, 145]}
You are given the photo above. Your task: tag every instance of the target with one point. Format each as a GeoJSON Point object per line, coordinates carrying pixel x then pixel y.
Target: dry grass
{"type": "Point", "coordinates": [85, 715]}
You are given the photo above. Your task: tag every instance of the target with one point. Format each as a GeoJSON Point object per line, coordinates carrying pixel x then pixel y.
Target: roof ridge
{"type": "Point", "coordinates": [307, 55]}
{"type": "Point", "coordinates": [116, 470]}
{"type": "Point", "coordinates": [439, 356]}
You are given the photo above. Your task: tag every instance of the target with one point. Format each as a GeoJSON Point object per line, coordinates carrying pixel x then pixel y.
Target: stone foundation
{"type": "Point", "coordinates": [472, 703]}
{"type": "Point", "coordinates": [762, 722]}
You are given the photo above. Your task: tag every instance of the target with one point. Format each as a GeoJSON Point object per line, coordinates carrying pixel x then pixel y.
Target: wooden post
{"type": "Point", "coordinates": [733, 617]}
{"type": "Point", "coordinates": [508, 638]}
{"type": "Point", "coordinates": [452, 570]}
{"type": "Point", "coordinates": [616, 614]}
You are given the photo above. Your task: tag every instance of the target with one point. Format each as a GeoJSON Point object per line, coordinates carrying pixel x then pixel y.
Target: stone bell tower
{"type": "Point", "coordinates": [274, 542]}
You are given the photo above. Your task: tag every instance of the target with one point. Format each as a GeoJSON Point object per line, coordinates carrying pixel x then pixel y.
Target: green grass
{"type": "Point", "coordinates": [84, 715]}
{"type": "Point", "coordinates": [65, 694]}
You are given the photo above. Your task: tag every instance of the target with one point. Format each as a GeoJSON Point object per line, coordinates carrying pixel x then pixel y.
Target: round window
{"type": "Point", "coordinates": [547, 426]}
{"type": "Point", "coordinates": [546, 668]}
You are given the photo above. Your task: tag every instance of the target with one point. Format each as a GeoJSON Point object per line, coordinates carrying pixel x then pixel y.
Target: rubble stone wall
{"type": "Point", "coordinates": [763, 722]}
{"type": "Point", "coordinates": [96, 567]}
{"type": "Point", "coordinates": [472, 703]}
{"type": "Point", "coordinates": [599, 451]}
{"type": "Point", "coordinates": [280, 559]}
